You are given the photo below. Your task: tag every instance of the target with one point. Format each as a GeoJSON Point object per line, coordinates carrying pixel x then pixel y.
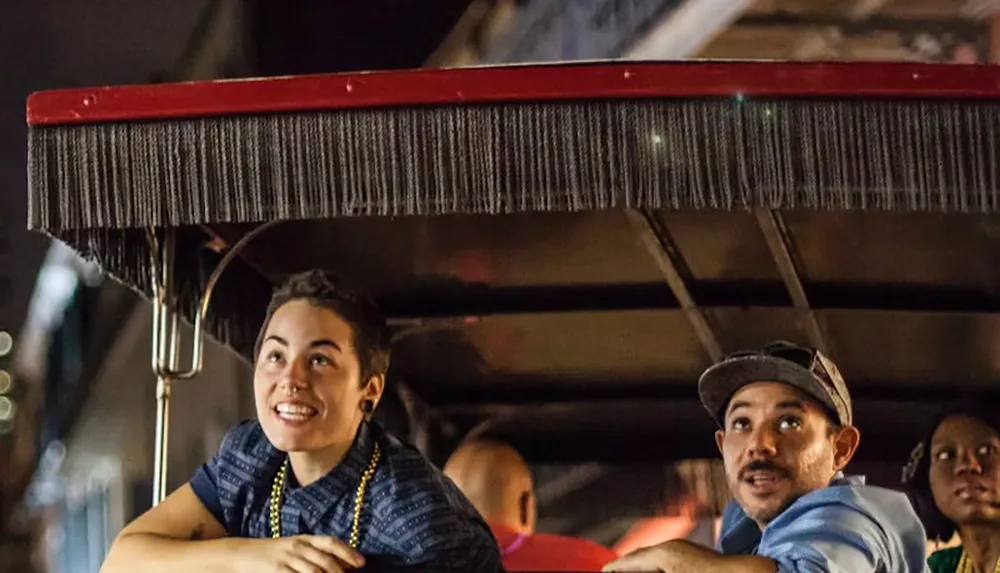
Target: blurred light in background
{"type": "Point", "coordinates": [6, 409]}
{"type": "Point", "coordinates": [6, 343]}
{"type": "Point", "coordinates": [6, 383]}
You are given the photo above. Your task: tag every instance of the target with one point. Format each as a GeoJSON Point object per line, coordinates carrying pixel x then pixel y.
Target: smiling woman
{"type": "Point", "coordinates": [331, 489]}
{"type": "Point", "coordinates": [954, 480]}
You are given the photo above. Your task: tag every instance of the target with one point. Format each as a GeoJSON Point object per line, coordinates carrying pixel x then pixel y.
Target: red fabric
{"type": "Point", "coordinates": [542, 552]}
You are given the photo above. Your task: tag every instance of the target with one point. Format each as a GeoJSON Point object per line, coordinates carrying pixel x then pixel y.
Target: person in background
{"type": "Point", "coordinates": [312, 485]}
{"type": "Point", "coordinates": [498, 482]}
{"type": "Point", "coordinates": [953, 478]}
{"type": "Point", "coordinates": [786, 434]}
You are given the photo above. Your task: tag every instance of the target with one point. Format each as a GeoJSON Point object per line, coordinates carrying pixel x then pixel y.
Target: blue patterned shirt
{"type": "Point", "coordinates": [413, 517]}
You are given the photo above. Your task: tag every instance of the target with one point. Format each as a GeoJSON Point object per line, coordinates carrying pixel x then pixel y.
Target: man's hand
{"type": "Point", "coordinates": [300, 554]}
{"type": "Point", "coordinates": [682, 556]}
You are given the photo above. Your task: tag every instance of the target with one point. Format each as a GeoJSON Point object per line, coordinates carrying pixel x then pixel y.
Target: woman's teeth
{"type": "Point", "coordinates": [295, 412]}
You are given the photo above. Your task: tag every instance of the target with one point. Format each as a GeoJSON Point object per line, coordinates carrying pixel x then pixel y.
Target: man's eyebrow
{"type": "Point", "coordinates": [737, 405]}
{"type": "Point", "coordinates": [791, 405]}
{"type": "Point", "coordinates": [325, 342]}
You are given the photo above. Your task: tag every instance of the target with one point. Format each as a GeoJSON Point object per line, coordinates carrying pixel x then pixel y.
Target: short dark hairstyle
{"type": "Point", "coordinates": [916, 473]}
{"type": "Point", "coordinates": [371, 337]}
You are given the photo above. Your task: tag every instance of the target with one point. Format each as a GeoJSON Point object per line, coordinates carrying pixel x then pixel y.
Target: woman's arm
{"type": "Point", "coordinates": [179, 534]}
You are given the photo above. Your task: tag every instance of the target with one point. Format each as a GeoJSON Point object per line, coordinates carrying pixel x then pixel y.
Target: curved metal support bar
{"type": "Point", "coordinates": [166, 336]}
{"type": "Point", "coordinates": [206, 298]}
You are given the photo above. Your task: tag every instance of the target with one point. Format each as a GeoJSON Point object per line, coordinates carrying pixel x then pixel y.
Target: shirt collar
{"type": "Point", "coordinates": [320, 497]}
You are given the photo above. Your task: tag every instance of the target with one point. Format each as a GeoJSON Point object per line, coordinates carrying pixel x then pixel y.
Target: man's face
{"type": "Point", "coordinates": [777, 445]}
{"type": "Point", "coordinates": [307, 384]}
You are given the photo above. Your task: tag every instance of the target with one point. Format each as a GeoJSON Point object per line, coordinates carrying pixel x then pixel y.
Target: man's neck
{"type": "Point", "coordinates": [982, 545]}
{"type": "Point", "coordinates": [309, 466]}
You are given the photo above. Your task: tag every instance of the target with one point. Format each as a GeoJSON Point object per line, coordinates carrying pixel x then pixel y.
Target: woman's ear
{"type": "Point", "coordinates": [373, 389]}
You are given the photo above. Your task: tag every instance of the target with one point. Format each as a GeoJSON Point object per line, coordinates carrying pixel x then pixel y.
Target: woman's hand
{"type": "Point", "coordinates": [298, 554]}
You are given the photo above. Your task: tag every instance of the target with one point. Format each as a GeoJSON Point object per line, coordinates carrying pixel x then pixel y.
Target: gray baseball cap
{"type": "Point", "coordinates": [804, 368]}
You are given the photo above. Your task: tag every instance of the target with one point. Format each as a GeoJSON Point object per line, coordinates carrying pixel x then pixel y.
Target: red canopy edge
{"type": "Point", "coordinates": [599, 80]}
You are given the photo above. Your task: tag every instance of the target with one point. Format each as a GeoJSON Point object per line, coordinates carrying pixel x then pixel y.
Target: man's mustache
{"type": "Point", "coordinates": [764, 466]}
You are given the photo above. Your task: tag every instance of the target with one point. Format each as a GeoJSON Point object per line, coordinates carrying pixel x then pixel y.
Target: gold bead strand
{"type": "Point", "coordinates": [360, 496]}
{"type": "Point", "coordinates": [965, 565]}
{"type": "Point", "coordinates": [276, 488]}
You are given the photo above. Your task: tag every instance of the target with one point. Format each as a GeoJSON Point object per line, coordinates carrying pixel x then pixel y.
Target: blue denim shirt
{"type": "Point", "coordinates": [847, 527]}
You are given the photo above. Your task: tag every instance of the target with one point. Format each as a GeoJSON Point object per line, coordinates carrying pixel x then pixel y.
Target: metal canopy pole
{"type": "Point", "coordinates": [165, 357]}
{"type": "Point", "coordinates": [166, 336]}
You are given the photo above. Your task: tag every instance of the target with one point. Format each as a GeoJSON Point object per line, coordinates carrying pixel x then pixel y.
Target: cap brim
{"type": "Point", "coordinates": [718, 384]}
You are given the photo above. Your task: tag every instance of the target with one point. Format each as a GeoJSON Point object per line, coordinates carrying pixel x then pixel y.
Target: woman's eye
{"type": "Point", "coordinates": [741, 424]}
{"type": "Point", "coordinates": [273, 357]}
{"type": "Point", "coordinates": [943, 455]}
{"type": "Point", "coordinates": [985, 450]}
{"type": "Point", "coordinates": [320, 360]}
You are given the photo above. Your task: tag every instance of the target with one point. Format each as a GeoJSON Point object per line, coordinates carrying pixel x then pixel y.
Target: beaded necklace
{"type": "Point", "coordinates": [965, 565]}
{"type": "Point", "coordinates": [279, 486]}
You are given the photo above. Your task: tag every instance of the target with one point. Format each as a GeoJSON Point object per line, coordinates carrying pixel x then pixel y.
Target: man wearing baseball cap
{"type": "Point", "coordinates": [786, 433]}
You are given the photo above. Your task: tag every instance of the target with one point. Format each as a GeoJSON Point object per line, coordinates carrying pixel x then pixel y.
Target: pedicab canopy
{"type": "Point", "coordinates": [563, 248]}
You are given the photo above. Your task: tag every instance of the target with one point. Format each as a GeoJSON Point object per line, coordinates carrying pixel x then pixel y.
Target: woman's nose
{"type": "Point", "coordinates": [295, 376]}
{"type": "Point", "coordinates": [968, 462]}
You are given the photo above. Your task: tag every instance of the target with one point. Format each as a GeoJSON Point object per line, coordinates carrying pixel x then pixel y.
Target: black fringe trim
{"type": "Point", "coordinates": [491, 159]}
{"type": "Point", "coordinates": [96, 186]}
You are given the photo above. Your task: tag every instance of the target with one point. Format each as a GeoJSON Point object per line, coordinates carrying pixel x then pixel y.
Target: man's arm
{"type": "Point", "coordinates": [824, 538]}
{"type": "Point", "coordinates": [681, 556]}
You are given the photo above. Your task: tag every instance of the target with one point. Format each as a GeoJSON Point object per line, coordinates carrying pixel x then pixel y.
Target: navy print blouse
{"type": "Point", "coordinates": [413, 517]}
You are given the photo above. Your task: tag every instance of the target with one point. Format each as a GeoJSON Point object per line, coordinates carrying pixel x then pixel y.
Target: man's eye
{"type": "Point", "coordinates": [789, 423]}
{"type": "Point", "coordinates": [985, 450]}
{"type": "Point", "coordinates": [740, 424]}
{"type": "Point", "coordinates": [273, 356]}
{"type": "Point", "coordinates": [943, 455]}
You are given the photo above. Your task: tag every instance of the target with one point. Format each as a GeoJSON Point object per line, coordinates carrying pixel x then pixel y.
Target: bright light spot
{"type": "Point", "coordinates": [6, 409]}
{"type": "Point", "coordinates": [657, 139]}
{"type": "Point", "coordinates": [5, 382]}
{"type": "Point", "coordinates": [6, 343]}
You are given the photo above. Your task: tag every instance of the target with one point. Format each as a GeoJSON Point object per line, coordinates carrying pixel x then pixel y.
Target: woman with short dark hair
{"type": "Point", "coordinates": [320, 486]}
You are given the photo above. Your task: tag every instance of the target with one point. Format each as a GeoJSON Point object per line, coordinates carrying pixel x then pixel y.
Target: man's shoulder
{"type": "Point", "coordinates": [885, 515]}
{"type": "Point", "coordinates": [849, 522]}
{"type": "Point", "coordinates": [872, 500]}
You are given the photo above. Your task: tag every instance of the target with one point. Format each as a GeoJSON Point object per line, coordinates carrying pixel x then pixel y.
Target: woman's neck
{"type": "Point", "coordinates": [982, 545]}
{"type": "Point", "coordinates": [309, 466]}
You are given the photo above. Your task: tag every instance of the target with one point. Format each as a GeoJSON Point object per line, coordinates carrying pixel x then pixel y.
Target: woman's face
{"type": "Point", "coordinates": [307, 380]}
{"type": "Point", "coordinates": [964, 471]}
